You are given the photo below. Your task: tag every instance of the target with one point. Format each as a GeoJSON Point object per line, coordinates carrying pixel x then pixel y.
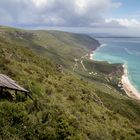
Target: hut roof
{"type": "Point", "coordinates": [8, 83]}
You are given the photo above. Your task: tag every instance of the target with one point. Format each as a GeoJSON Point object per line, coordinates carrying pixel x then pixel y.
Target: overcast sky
{"type": "Point", "coordinates": [97, 16]}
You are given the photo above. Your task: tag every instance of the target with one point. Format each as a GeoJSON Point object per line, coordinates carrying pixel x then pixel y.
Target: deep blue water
{"type": "Point", "coordinates": [122, 50]}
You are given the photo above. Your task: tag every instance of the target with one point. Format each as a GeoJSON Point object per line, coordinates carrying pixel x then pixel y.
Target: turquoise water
{"type": "Point", "coordinates": [122, 50]}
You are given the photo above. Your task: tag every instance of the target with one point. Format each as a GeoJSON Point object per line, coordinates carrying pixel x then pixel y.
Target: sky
{"type": "Point", "coordinates": [113, 17]}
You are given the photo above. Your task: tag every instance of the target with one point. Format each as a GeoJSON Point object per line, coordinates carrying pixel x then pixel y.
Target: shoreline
{"type": "Point", "coordinates": [93, 51]}
{"type": "Point", "coordinates": [130, 90]}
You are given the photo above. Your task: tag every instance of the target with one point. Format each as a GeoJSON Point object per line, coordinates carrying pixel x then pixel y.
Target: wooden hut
{"type": "Point", "coordinates": [7, 83]}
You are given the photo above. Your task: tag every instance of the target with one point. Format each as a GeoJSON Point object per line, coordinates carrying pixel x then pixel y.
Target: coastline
{"type": "Point", "coordinates": [93, 51]}
{"type": "Point", "coordinates": [128, 87]}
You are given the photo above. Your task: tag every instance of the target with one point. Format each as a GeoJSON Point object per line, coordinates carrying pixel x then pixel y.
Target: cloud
{"type": "Point", "coordinates": [128, 23]}
{"type": "Point", "coordinates": [78, 13]}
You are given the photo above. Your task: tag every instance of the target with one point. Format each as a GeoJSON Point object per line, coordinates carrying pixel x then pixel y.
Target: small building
{"type": "Point", "coordinates": [7, 83]}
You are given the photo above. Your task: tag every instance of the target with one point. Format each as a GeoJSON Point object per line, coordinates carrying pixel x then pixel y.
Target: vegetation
{"type": "Point", "coordinates": [66, 105]}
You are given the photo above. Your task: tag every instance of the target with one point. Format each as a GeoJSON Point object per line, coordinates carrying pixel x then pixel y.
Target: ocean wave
{"type": "Point", "coordinates": [103, 45]}
{"type": "Point", "coordinates": [128, 51]}
{"type": "Point", "coordinates": [137, 53]}
{"type": "Point", "coordinates": [132, 52]}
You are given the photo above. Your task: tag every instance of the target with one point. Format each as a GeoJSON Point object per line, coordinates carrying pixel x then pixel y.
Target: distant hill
{"type": "Point", "coordinates": [67, 104]}
{"type": "Point", "coordinates": [59, 46]}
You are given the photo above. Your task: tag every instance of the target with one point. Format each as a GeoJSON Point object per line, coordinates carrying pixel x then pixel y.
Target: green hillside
{"type": "Point", "coordinates": [66, 105]}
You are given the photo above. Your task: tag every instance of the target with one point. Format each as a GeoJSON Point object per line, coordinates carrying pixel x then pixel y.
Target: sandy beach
{"type": "Point", "coordinates": [128, 87]}
{"type": "Point", "coordinates": [91, 55]}
{"type": "Point", "coordinates": [130, 90]}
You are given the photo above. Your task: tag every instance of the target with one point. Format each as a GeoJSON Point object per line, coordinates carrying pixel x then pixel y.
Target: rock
{"type": "Point", "coordinates": [59, 68]}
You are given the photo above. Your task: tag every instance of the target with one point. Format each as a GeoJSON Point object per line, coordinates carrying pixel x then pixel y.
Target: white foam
{"type": "Point", "coordinates": [91, 56]}
{"type": "Point", "coordinates": [103, 45]}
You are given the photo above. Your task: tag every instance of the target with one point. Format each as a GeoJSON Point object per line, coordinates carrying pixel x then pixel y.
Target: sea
{"type": "Point", "coordinates": [122, 50]}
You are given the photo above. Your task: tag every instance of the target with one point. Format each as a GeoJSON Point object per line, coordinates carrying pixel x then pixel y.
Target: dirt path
{"type": "Point", "coordinates": [81, 63]}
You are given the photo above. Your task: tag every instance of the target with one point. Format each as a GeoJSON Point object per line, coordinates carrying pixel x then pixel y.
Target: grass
{"type": "Point", "coordinates": [69, 105]}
